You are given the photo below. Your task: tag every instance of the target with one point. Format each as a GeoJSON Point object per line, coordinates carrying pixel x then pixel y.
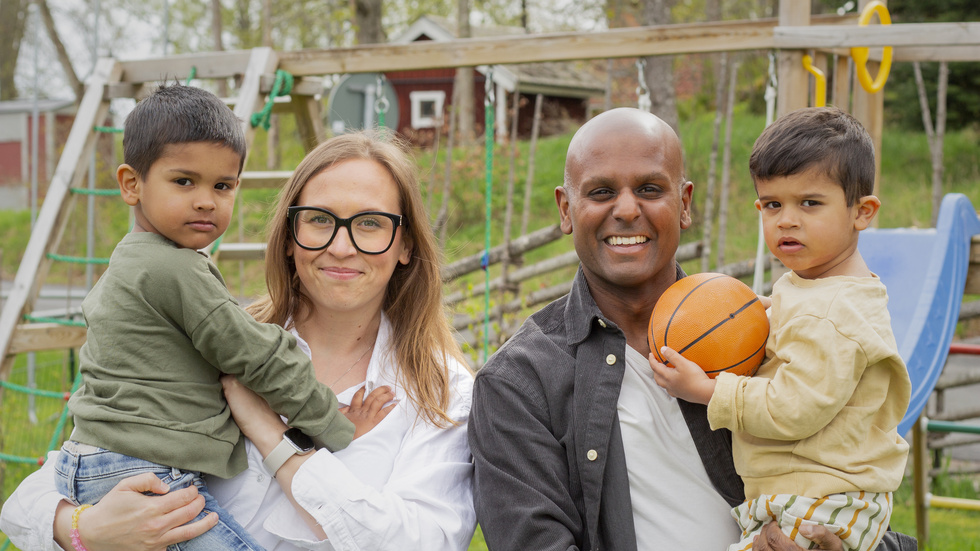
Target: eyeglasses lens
{"type": "Point", "coordinates": [372, 233]}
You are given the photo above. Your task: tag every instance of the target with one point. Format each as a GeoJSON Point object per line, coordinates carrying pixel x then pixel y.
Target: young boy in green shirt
{"type": "Point", "coordinates": [163, 328]}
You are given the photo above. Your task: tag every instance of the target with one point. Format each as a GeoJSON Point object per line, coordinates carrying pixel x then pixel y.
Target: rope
{"type": "Point", "coordinates": [86, 191]}
{"type": "Point", "coordinates": [108, 129]}
{"type": "Point", "coordinates": [35, 391]}
{"type": "Point", "coordinates": [56, 436]}
{"type": "Point", "coordinates": [488, 109]}
{"type": "Point", "coordinates": [5, 458]}
{"type": "Point", "coordinates": [282, 86]}
{"type": "Point", "coordinates": [59, 321]}
{"type": "Point", "coordinates": [216, 244]}
{"type": "Point", "coordinates": [77, 259]}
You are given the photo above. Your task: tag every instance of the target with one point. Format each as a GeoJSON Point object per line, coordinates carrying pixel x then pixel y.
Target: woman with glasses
{"type": "Point", "coordinates": [352, 269]}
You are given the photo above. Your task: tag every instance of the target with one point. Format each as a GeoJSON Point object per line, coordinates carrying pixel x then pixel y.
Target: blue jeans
{"type": "Point", "coordinates": [85, 474]}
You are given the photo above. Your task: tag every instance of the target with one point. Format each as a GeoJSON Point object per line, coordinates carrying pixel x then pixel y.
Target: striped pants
{"type": "Point", "coordinates": [858, 518]}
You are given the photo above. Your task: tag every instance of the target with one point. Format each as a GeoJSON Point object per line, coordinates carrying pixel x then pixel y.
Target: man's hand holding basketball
{"type": "Point", "coordinates": [686, 380]}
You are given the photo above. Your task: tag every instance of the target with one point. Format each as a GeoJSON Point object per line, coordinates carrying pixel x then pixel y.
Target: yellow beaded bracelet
{"type": "Point", "coordinates": [76, 539]}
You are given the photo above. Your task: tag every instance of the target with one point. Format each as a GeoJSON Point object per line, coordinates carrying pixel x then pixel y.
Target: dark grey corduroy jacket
{"type": "Point", "coordinates": [544, 432]}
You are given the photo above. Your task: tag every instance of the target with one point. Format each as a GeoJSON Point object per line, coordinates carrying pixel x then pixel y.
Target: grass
{"type": "Point", "coordinates": [905, 189]}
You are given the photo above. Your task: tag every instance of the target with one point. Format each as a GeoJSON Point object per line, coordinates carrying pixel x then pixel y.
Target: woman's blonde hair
{"type": "Point", "coordinates": [423, 340]}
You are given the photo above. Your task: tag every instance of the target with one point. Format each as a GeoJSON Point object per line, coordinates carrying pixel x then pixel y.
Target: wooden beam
{"type": "Point", "coordinates": [178, 67]}
{"type": "Point", "coordinates": [936, 53]}
{"type": "Point", "coordinates": [614, 43]}
{"type": "Point", "coordinates": [241, 251]}
{"type": "Point", "coordinates": [903, 34]}
{"type": "Point", "coordinates": [302, 86]}
{"type": "Point", "coordinates": [54, 214]}
{"type": "Point", "coordinates": [256, 179]}
{"type": "Point", "coordinates": [917, 53]}
{"type": "Point", "coordinates": [36, 337]}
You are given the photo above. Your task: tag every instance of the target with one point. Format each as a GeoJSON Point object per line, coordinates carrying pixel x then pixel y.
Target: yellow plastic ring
{"type": "Point", "coordinates": [860, 54]}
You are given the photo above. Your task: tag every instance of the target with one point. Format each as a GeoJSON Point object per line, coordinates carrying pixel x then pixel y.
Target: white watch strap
{"type": "Point", "coordinates": [280, 454]}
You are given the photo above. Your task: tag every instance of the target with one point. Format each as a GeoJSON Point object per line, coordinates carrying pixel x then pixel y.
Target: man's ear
{"type": "Point", "coordinates": [561, 197]}
{"type": "Point", "coordinates": [867, 208]}
{"type": "Point", "coordinates": [687, 198]}
{"type": "Point", "coordinates": [129, 184]}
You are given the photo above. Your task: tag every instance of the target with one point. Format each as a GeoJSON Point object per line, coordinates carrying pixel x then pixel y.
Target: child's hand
{"type": "Point", "coordinates": [766, 301]}
{"type": "Point", "coordinates": [366, 413]}
{"type": "Point", "coordinates": [686, 381]}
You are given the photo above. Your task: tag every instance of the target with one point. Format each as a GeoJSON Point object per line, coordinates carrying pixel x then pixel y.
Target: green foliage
{"type": "Point", "coordinates": [963, 105]}
{"type": "Point", "coordinates": [949, 529]}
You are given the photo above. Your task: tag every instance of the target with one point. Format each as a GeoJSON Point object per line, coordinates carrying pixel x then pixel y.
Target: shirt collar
{"type": "Point", "coordinates": [379, 370]}
{"type": "Point", "coordinates": [582, 314]}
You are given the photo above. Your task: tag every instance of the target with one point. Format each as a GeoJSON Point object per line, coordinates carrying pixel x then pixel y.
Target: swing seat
{"type": "Point", "coordinates": [925, 272]}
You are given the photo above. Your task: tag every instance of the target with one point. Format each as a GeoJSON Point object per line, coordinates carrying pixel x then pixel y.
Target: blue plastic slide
{"type": "Point", "coordinates": [925, 273]}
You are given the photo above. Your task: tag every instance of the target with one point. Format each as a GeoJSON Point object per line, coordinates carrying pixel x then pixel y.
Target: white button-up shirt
{"type": "Point", "coordinates": [404, 485]}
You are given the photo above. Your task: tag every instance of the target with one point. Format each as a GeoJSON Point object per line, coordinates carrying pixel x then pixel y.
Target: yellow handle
{"type": "Point", "coordinates": [860, 55]}
{"type": "Point", "coordinates": [820, 90]}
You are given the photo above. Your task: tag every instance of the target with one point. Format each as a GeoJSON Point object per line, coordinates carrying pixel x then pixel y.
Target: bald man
{"type": "Point", "coordinates": [575, 445]}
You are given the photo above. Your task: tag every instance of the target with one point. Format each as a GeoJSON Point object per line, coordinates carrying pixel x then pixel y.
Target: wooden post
{"type": "Point", "coordinates": [794, 82]}
{"type": "Point", "coordinates": [870, 110]}
{"type": "Point", "coordinates": [920, 483]}
{"type": "Point", "coordinates": [841, 94]}
{"type": "Point", "coordinates": [261, 61]}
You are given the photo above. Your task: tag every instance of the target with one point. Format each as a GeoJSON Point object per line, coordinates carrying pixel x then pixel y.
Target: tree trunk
{"type": "Point", "coordinates": [531, 154]}
{"type": "Point", "coordinates": [506, 262]}
{"type": "Point", "coordinates": [660, 69]}
{"type": "Point", "coordinates": [726, 166]}
{"type": "Point", "coordinates": [367, 17]}
{"type": "Point", "coordinates": [76, 84]}
{"type": "Point", "coordinates": [464, 81]}
{"type": "Point", "coordinates": [935, 136]}
{"type": "Point", "coordinates": [709, 194]}
{"type": "Point", "coordinates": [13, 20]}
{"type": "Point", "coordinates": [217, 43]}
{"type": "Point", "coordinates": [435, 159]}
{"type": "Point", "coordinates": [443, 217]}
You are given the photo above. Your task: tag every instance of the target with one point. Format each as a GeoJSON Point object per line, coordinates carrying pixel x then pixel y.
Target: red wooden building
{"type": "Point", "coordinates": [423, 95]}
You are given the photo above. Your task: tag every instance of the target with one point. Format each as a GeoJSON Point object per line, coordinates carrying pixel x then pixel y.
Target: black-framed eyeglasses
{"type": "Point", "coordinates": [371, 232]}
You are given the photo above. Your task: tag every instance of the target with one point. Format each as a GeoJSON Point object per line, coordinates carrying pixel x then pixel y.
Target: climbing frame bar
{"type": "Point", "coordinates": [53, 216]}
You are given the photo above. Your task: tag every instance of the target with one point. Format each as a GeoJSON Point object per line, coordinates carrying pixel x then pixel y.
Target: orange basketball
{"type": "Point", "coordinates": [714, 320]}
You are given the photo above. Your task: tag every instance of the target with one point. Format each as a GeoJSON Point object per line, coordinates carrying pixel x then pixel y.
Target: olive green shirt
{"type": "Point", "coordinates": [162, 329]}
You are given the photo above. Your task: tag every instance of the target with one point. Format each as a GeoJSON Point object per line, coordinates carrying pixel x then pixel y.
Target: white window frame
{"type": "Point", "coordinates": [417, 98]}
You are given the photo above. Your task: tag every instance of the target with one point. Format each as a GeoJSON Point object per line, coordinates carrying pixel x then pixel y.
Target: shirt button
{"type": "Point", "coordinates": [260, 478]}
{"type": "Point", "coordinates": [611, 359]}
{"type": "Point", "coordinates": [602, 323]}
{"type": "Point", "coordinates": [592, 455]}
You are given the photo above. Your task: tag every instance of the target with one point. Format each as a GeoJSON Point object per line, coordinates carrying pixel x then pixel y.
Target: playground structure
{"type": "Point", "coordinates": [794, 34]}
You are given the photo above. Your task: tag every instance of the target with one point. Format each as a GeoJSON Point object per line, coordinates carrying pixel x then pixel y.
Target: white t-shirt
{"type": "Point", "coordinates": [674, 504]}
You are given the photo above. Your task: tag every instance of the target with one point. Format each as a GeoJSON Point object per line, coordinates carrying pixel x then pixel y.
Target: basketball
{"type": "Point", "coordinates": [714, 320]}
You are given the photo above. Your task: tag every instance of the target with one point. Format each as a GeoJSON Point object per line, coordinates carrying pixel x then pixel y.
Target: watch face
{"type": "Point", "coordinates": [299, 439]}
